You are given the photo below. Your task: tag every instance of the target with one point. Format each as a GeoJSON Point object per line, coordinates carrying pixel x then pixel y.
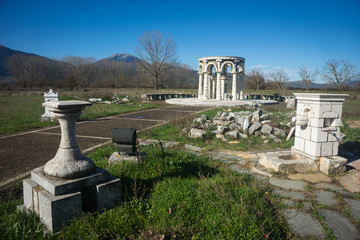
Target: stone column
{"type": "Point", "coordinates": [68, 162]}
{"type": "Point", "coordinates": [241, 89]}
{"type": "Point", "coordinates": [213, 88]}
{"type": "Point", "coordinates": [234, 87]}
{"type": "Point", "coordinates": [218, 87]}
{"type": "Point", "coordinates": [222, 89]}
{"type": "Point", "coordinates": [200, 92]}
{"type": "Point", "coordinates": [205, 91]}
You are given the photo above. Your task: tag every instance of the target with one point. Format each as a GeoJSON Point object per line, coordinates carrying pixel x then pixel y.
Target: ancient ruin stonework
{"type": "Point", "coordinates": [211, 87]}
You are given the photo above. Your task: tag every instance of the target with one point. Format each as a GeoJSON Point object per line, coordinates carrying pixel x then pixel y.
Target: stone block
{"type": "Point", "coordinates": [316, 122]}
{"type": "Point", "coordinates": [312, 148]}
{"type": "Point", "coordinates": [335, 146]}
{"type": "Point", "coordinates": [330, 115]}
{"type": "Point", "coordinates": [335, 107]}
{"type": "Point", "coordinates": [297, 130]}
{"type": "Point", "coordinates": [333, 135]}
{"type": "Point", "coordinates": [54, 211]}
{"type": "Point", "coordinates": [108, 194]}
{"type": "Point", "coordinates": [332, 165]}
{"type": "Point", "coordinates": [318, 136]}
{"type": "Point", "coordinates": [299, 144]}
{"type": "Point", "coordinates": [319, 109]}
{"type": "Point", "coordinates": [305, 132]}
{"type": "Point", "coordinates": [62, 186]}
{"type": "Point", "coordinates": [326, 149]}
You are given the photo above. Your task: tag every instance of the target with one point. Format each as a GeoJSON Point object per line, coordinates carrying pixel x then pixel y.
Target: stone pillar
{"type": "Point", "coordinates": [218, 86]}
{"type": "Point", "coordinates": [200, 92]}
{"type": "Point", "coordinates": [222, 89]}
{"type": "Point", "coordinates": [241, 88]}
{"type": "Point", "coordinates": [205, 91]}
{"type": "Point", "coordinates": [213, 88]}
{"type": "Point", "coordinates": [234, 87]}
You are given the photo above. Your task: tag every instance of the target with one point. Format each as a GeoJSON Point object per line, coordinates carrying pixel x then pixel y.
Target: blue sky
{"type": "Point", "coordinates": [268, 34]}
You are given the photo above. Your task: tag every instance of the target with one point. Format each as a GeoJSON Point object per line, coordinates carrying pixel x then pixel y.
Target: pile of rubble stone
{"type": "Point", "coordinates": [238, 125]}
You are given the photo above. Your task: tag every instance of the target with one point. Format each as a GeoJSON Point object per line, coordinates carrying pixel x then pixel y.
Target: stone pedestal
{"type": "Point", "coordinates": [69, 183]}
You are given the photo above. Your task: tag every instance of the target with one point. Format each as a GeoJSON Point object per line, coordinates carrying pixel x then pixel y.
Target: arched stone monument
{"type": "Point", "coordinates": [215, 87]}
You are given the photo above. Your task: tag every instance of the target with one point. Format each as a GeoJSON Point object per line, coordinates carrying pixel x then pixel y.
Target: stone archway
{"type": "Point", "coordinates": [209, 88]}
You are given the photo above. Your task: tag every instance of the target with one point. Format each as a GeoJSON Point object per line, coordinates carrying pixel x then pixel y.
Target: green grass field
{"type": "Point", "coordinates": [23, 112]}
{"type": "Point", "coordinates": [171, 195]}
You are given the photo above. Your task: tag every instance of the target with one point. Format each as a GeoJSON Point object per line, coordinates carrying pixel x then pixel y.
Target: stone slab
{"type": "Point", "coordinates": [329, 186]}
{"type": "Point", "coordinates": [288, 184]}
{"type": "Point", "coordinates": [310, 177]}
{"type": "Point", "coordinates": [290, 194]}
{"type": "Point", "coordinates": [193, 148]}
{"type": "Point", "coordinates": [354, 207]}
{"type": "Point", "coordinates": [303, 224]}
{"type": "Point", "coordinates": [54, 211]}
{"type": "Point", "coordinates": [326, 198]}
{"type": "Point", "coordinates": [63, 186]}
{"type": "Point", "coordinates": [350, 182]}
{"type": "Point", "coordinates": [341, 226]}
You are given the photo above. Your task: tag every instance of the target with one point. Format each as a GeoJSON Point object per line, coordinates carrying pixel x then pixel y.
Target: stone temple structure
{"type": "Point", "coordinates": [217, 74]}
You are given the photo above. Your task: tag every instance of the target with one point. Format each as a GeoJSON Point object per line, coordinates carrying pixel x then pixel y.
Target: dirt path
{"type": "Point", "coordinates": [21, 152]}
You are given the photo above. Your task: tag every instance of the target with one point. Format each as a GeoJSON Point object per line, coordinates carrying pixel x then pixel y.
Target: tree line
{"type": "Point", "coordinates": [336, 73]}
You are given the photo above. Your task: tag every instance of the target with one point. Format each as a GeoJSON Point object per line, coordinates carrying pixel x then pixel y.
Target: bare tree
{"type": "Point", "coordinates": [256, 80]}
{"type": "Point", "coordinates": [279, 78]}
{"type": "Point", "coordinates": [339, 73]}
{"type": "Point", "coordinates": [157, 55]}
{"type": "Point", "coordinates": [307, 76]}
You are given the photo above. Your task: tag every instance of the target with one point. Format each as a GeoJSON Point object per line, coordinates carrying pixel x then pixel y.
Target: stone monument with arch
{"type": "Point", "coordinates": [217, 73]}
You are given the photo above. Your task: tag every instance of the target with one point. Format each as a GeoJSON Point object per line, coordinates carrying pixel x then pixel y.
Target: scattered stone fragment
{"type": "Point", "coordinates": [258, 171]}
{"type": "Point", "coordinates": [354, 207]}
{"type": "Point", "coordinates": [288, 184]}
{"type": "Point", "coordinates": [233, 134]}
{"type": "Point", "coordinates": [204, 117]}
{"type": "Point", "coordinates": [273, 137]}
{"type": "Point", "coordinates": [342, 227]}
{"type": "Point", "coordinates": [266, 129]}
{"type": "Point", "coordinates": [254, 127]}
{"type": "Point", "coordinates": [193, 148]}
{"type": "Point", "coordinates": [246, 125]}
{"type": "Point", "coordinates": [279, 132]}
{"type": "Point", "coordinates": [326, 198]}
{"type": "Point", "coordinates": [303, 224]}
{"type": "Point", "coordinates": [197, 133]}
{"type": "Point", "coordinates": [289, 194]}
{"type": "Point", "coordinates": [234, 126]}
{"type": "Point", "coordinates": [310, 177]}
{"type": "Point", "coordinates": [233, 142]}
{"type": "Point", "coordinates": [264, 117]}
{"type": "Point", "coordinates": [291, 133]}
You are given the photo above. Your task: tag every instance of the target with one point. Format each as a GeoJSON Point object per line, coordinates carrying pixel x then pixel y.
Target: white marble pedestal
{"type": "Point", "coordinates": [69, 183]}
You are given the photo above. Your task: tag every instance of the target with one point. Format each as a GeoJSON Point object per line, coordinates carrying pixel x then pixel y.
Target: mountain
{"type": "Point", "coordinates": [120, 57]}
{"type": "Point", "coordinates": [5, 53]}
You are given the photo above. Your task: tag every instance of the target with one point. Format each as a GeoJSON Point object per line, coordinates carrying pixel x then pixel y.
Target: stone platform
{"type": "Point", "coordinates": [214, 102]}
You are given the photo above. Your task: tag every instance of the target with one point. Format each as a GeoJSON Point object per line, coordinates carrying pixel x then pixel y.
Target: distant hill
{"type": "Point", "coordinates": [5, 53]}
{"type": "Point", "coordinates": [121, 57]}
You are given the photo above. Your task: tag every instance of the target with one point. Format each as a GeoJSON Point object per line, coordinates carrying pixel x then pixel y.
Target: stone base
{"type": "Point", "coordinates": [292, 162]}
{"type": "Point", "coordinates": [116, 158]}
{"type": "Point", "coordinates": [287, 162]}
{"type": "Point", "coordinates": [57, 201]}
